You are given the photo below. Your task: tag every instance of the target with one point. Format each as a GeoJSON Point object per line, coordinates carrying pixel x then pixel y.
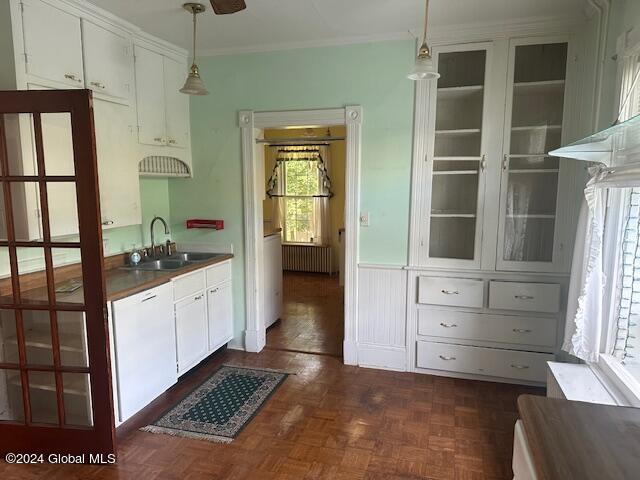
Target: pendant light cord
{"type": "Point", "coordinates": [194, 35]}
{"type": "Point", "coordinates": [426, 22]}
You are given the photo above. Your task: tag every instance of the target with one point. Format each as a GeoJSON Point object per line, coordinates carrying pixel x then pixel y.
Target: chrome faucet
{"type": "Point", "coordinates": [153, 241]}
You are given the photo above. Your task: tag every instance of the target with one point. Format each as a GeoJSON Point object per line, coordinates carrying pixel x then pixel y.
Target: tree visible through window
{"type": "Point", "coordinates": [300, 185]}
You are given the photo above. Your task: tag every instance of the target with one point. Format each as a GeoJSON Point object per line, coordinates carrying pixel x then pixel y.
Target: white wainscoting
{"type": "Point", "coordinates": [382, 309]}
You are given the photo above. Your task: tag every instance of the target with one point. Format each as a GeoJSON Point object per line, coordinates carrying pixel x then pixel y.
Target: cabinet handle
{"type": "Point", "coordinates": [483, 163]}
{"type": "Point", "coordinates": [521, 330]}
{"type": "Point", "coordinates": [519, 367]}
{"type": "Point", "coordinates": [214, 290]}
{"type": "Point", "coordinates": [73, 77]}
{"type": "Point", "coordinates": [523, 297]}
{"type": "Point", "coordinates": [107, 222]}
{"type": "Point", "coordinates": [99, 85]}
{"type": "Point", "coordinates": [448, 325]}
{"type": "Point", "coordinates": [159, 140]}
{"type": "Point", "coordinates": [172, 142]}
{"type": "Point", "coordinates": [149, 298]}
{"type": "Point", "coordinates": [199, 297]}
{"type": "Point", "coordinates": [450, 292]}
{"type": "Point", "coordinates": [446, 358]}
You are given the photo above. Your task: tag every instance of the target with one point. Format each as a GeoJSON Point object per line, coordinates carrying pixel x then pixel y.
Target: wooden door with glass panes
{"type": "Point", "coordinates": [456, 159]}
{"type": "Point", "coordinates": [55, 381]}
{"type": "Point", "coordinates": [529, 234]}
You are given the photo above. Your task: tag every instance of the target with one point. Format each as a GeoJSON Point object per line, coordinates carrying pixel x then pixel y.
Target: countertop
{"type": "Point", "coordinates": [122, 282]}
{"type": "Point", "coordinates": [272, 231]}
{"type": "Point", "coordinates": [582, 441]}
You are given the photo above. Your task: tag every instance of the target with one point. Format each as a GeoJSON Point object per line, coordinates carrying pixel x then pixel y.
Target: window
{"type": "Point", "coordinates": [300, 185]}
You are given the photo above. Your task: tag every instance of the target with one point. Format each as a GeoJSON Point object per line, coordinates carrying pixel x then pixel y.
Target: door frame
{"type": "Point", "coordinates": [252, 182]}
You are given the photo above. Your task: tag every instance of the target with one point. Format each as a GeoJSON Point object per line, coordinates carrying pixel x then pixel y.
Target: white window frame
{"type": "Point", "coordinates": [624, 388]}
{"type": "Point", "coordinates": [284, 214]}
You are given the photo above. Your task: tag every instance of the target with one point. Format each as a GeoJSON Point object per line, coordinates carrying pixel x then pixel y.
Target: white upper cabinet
{"type": "Point", "coordinates": [149, 67]}
{"type": "Point", "coordinates": [52, 43]}
{"type": "Point", "coordinates": [454, 203]}
{"type": "Point", "coordinates": [117, 164]}
{"type": "Point", "coordinates": [489, 196]}
{"type": "Point", "coordinates": [108, 61]}
{"type": "Point", "coordinates": [176, 103]}
{"type": "Point", "coordinates": [528, 237]}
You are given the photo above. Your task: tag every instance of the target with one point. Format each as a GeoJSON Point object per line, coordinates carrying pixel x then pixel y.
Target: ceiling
{"type": "Point", "coordinates": [274, 24]}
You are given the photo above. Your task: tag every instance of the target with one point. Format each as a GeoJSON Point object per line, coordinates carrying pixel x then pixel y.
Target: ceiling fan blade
{"type": "Point", "coordinates": [226, 7]}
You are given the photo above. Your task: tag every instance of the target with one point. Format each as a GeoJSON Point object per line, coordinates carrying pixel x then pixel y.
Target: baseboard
{"type": "Point", "coordinates": [254, 341]}
{"type": "Point", "coordinates": [350, 352]}
{"type": "Point", "coordinates": [236, 343]}
{"type": "Point", "coordinates": [383, 357]}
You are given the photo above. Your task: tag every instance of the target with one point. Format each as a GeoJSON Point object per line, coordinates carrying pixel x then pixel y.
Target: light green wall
{"type": "Point", "coordinates": [370, 75]}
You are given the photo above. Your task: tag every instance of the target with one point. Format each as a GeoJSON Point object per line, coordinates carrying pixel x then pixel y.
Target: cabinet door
{"type": "Point", "coordinates": [191, 331]}
{"type": "Point", "coordinates": [456, 158]}
{"type": "Point", "coordinates": [528, 232]}
{"type": "Point", "coordinates": [117, 164]}
{"type": "Point", "coordinates": [108, 61]}
{"type": "Point", "coordinates": [177, 104]}
{"type": "Point", "coordinates": [220, 311]}
{"type": "Point", "coordinates": [150, 96]}
{"type": "Point", "coordinates": [52, 43]}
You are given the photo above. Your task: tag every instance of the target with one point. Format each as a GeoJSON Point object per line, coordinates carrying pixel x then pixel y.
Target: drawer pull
{"type": "Point", "coordinates": [172, 142]}
{"type": "Point", "coordinates": [199, 297]}
{"type": "Point", "coordinates": [519, 367]}
{"type": "Point", "coordinates": [158, 140]}
{"type": "Point", "coordinates": [450, 292]}
{"type": "Point", "coordinates": [107, 223]}
{"type": "Point", "coordinates": [448, 325]}
{"type": "Point", "coordinates": [149, 298]}
{"type": "Point", "coordinates": [521, 330]}
{"type": "Point", "coordinates": [73, 77]}
{"type": "Point", "coordinates": [447, 358]}
{"type": "Point", "coordinates": [99, 85]}
{"type": "Point", "coordinates": [524, 297]}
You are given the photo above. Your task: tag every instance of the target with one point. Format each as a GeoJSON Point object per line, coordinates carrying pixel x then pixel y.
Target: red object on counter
{"type": "Point", "coordinates": [199, 223]}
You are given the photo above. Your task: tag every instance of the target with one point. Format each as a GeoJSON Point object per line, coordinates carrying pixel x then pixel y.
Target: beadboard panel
{"type": "Point", "coordinates": [382, 306]}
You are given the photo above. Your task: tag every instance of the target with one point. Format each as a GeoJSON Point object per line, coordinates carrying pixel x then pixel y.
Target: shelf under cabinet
{"type": "Point", "coordinates": [535, 128]}
{"type": "Point", "coordinates": [459, 92]}
{"type": "Point", "coordinates": [526, 215]}
{"type": "Point", "coordinates": [457, 159]}
{"type": "Point", "coordinates": [539, 88]}
{"type": "Point", "coordinates": [453, 215]}
{"type": "Point", "coordinates": [456, 172]}
{"type": "Point", "coordinates": [535, 170]}
{"type": "Point", "coordinates": [459, 131]}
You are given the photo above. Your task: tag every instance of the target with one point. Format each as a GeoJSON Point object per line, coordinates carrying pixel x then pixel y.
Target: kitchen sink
{"type": "Point", "coordinates": [195, 256]}
{"type": "Point", "coordinates": [161, 264]}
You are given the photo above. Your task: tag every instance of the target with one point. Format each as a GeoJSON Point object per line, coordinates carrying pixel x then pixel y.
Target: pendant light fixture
{"type": "Point", "coordinates": [424, 68]}
{"type": "Point", "coordinates": [194, 84]}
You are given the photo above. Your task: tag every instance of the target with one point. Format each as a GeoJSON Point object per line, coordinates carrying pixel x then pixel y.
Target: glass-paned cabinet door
{"type": "Point", "coordinates": [455, 157]}
{"type": "Point", "coordinates": [530, 178]}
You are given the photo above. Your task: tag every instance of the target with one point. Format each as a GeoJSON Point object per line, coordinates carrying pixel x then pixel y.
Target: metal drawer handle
{"type": "Point", "coordinates": [107, 222]}
{"type": "Point", "coordinates": [99, 85]}
{"type": "Point", "coordinates": [520, 367]}
{"type": "Point", "coordinates": [448, 325]}
{"type": "Point", "coordinates": [149, 298]}
{"type": "Point", "coordinates": [172, 142]}
{"type": "Point", "coordinates": [524, 297]}
{"type": "Point", "coordinates": [199, 297]}
{"type": "Point", "coordinates": [73, 77]}
{"type": "Point", "coordinates": [158, 140]}
{"type": "Point", "coordinates": [522, 330]}
{"type": "Point", "coordinates": [446, 358]}
{"type": "Point", "coordinates": [450, 292]}
{"type": "Point", "coordinates": [214, 290]}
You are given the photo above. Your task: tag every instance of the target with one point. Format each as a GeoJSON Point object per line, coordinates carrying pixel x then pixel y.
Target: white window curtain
{"type": "Point", "coordinates": [321, 206]}
{"type": "Point", "coordinates": [585, 314]}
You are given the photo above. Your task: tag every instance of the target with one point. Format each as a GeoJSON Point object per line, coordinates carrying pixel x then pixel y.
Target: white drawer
{"type": "Point", "coordinates": [454, 292]}
{"type": "Point", "coordinates": [218, 273]}
{"type": "Point", "coordinates": [530, 297]}
{"type": "Point", "coordinates": [487, 327]}
{"type": "Point", "coordinates": [483, 361]}
{"type": "Point", "coordinates": [188, 285]}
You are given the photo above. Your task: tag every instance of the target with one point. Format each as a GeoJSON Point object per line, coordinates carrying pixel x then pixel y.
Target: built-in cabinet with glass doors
{"type": "Point", "coordinates": [478, 202]}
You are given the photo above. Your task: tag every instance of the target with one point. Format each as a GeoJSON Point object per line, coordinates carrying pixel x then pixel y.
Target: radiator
{"type": "Point", "coordinates": [306, 258]}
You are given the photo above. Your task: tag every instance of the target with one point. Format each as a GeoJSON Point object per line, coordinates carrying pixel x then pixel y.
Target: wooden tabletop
{"type": "Point", "coordinates": [582, 441]}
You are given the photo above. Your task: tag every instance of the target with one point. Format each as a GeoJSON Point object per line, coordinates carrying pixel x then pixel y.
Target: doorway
{"type": "Point", "coordinates": [254, 125]}
{"type": "Point", "coordinates": [303, 225]}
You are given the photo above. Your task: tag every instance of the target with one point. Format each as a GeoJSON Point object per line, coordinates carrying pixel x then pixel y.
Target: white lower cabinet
{"type": "Point", "coordinates": [191, 325]}
{"type": "Point", "coordinates": [145, 348]}
{"type": "Point", "coordinates": [493, 362]}
{"type": "Point", "coordinates": [220, 315]}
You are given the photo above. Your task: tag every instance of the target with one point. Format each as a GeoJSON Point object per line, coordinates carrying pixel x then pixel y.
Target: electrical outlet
{"type": "Point", "coordinates": [364, 219]}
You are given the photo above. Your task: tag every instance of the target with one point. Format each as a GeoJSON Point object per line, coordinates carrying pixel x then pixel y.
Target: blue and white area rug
{"type": "Point", "coordinates": [221, 406]}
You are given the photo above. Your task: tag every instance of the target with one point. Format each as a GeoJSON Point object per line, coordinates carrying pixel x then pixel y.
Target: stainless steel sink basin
{"type": "Point", "coordinates": [161, 264]}
{"type": "Point", "coordinates": [195, 256]}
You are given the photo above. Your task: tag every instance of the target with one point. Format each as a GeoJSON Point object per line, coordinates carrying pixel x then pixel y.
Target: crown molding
{"type": "Point", "coordinates": [334, 42]}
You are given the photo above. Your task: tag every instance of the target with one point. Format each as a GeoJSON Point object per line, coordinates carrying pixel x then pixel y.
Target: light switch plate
{"type": "Point", "coordinates": [364, 219]}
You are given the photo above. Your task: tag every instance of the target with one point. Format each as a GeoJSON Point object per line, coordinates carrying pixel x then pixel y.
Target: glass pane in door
{"type": "Point", "coordinates": [457, 155]}
{"type": "Point", "coordinates": [531, 176]}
